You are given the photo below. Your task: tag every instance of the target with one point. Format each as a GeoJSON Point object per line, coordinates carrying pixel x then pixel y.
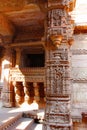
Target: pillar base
{"type": "Point", "coordinates": [8, 104]}
{"type": "Point", "coordinates": [7, 99]}
{"type": "Point", "coordinates": [58, 126]}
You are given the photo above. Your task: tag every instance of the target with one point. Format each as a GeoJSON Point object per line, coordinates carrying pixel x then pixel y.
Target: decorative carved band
{"type": "Point", "coordinates": [79, 52]}
{"type": "Point", "coordinates": [28, 78]}
{"type": "Point", "coordinates": [79, 81]}
{"type": "Point", "coordinates": [79, 74]}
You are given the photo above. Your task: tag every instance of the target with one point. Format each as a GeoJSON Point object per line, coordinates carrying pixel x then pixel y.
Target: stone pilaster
{"type": "Point", "coordinates": [6, 65]}
{"type": "Point", "coordinates": [18, 91]}
{"type": "Point", "coordinates": [58, 79]}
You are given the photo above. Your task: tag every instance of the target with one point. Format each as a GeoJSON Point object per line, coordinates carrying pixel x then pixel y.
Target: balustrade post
{"type": "Point", "coordinates": [17, 94]}
{"type": "Point", "coordinates": [26, 97]}
{"type": "Point", "coordinates": [18, 57]}
{"type": "Point", "coordinates": [36, 90]}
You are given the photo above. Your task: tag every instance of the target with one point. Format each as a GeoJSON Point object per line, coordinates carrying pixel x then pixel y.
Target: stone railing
{"type": "Point", "coordinates": [27, 74]}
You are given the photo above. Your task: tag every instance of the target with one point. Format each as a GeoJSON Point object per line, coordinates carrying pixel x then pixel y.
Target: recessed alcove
{"type": "Point", "coordinates": [34, 60]}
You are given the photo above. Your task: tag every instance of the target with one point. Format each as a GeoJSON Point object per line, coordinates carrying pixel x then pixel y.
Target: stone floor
{"type": "Point", "coordinates": [7, 113]}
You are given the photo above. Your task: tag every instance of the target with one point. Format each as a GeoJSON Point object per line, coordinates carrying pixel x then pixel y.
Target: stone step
{"type": "Point", "coordinates": [10, 121]}
{"type": "Point", "coordinates": [22, 124]}
{"type": "Point", "coordinates": [36, 126]}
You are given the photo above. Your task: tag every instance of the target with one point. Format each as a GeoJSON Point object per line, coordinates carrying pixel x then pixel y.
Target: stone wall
{"type": "Point", "coordinates": [79, 71]}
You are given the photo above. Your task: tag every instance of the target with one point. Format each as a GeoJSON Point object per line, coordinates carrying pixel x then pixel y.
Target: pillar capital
{"type": "Point", "coordinates": [55, 40]}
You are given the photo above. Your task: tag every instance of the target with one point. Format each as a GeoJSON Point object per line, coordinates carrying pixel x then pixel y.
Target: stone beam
{"type": "Point", "coordinates": [6, 29]}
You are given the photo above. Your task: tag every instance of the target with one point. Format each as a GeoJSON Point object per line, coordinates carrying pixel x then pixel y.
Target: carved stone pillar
{"type": "Point", "coordinates": [58, 79]}
{"type": "Point", "coordinates": [36, 91]}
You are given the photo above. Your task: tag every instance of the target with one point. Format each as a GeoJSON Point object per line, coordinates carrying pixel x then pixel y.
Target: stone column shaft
{"type": "Point", "coordinates": [18, 98]}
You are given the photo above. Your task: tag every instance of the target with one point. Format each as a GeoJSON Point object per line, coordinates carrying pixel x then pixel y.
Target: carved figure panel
{"type": "Point", "coordinates": [59, 118]}
{"type": "Point", "coordinates": [54, 19]}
